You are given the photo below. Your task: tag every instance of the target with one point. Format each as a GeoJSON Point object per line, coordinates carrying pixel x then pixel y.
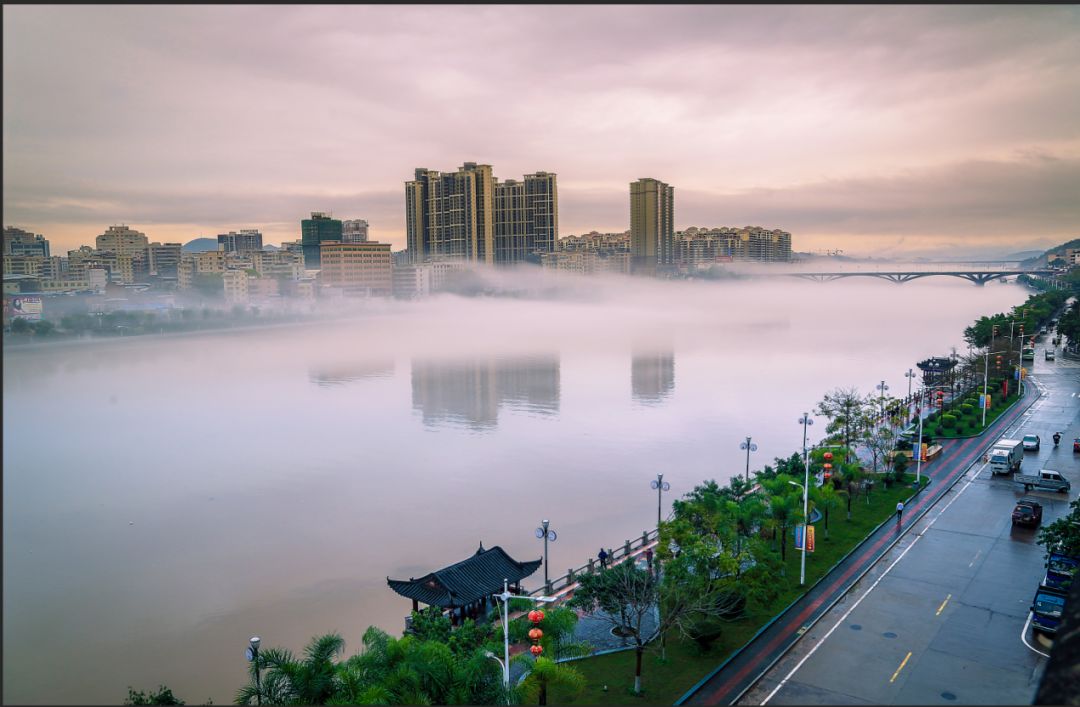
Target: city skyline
{"type": "Point", "coordinates": [889, 130]}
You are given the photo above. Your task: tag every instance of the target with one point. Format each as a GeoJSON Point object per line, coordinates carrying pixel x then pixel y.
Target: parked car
{"type": "Point", "coordinates": [1032, 443]}
{"type": "Point", "coordinates": [1049, 354]}
{"type": "Point", "coordinates": [1028, 511]}
{"type": "Point", "coordinates": [1076, 445]}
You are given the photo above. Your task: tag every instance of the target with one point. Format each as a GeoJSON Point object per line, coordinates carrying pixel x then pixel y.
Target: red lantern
{"type": "Point", "coordinates": [536, 634]}
{"type": "Point", "coordinates": [536, 650]}
{"type": "Point", "coordinates": [536, 616]}
{"type": "Point", "coordinates": [828, 457]}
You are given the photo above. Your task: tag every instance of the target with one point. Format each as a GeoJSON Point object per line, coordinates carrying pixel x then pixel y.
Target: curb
{"type": "Point", "coordinates": [689, 693]}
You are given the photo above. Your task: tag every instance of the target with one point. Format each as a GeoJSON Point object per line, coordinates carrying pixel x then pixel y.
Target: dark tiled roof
{"type": "Point", "coordinates": [464, 582]}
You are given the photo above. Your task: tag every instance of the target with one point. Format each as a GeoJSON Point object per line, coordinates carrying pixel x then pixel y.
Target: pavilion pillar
{"type": "Point", "coordinates": [415, 605]}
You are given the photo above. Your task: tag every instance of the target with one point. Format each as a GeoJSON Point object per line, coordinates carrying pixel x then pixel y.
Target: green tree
{"type": "Point", "coordinates": [163, 696]}
{"type": "Point", "coordinates": [544, 675]}
{"type": "Point", "coordinates": [1063, 535]}
{"type": "Point", "coordinates": [845, 410]}
{"type": "Point", "coordinates": [19, 326]}
{"type": "Point", "coordinates": [288, 680]}
{"type": "Point", "coordinates": [827, 497]}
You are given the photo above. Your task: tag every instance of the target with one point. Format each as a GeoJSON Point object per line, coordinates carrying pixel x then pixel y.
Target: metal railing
{"type": "Point", "coordinates": [617, 554]}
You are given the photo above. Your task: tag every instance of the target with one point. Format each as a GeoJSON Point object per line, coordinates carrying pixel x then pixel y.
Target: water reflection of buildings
{"type": "Point", "coordinates": [470, 392]}
{"type": "Point", "coordinates": [340, 374]}
{"type": "Point", "coordinates": [652, 375]}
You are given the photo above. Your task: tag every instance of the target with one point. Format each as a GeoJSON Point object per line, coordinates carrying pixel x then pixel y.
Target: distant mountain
{"type": "Point", "coordinates": [1040, 258]}
{"type": "Point", "coordinates": [199, 245]}
{"type": "Point", "coordinates": [270, 247]}
{"type": "Point", "coordinates": [1022, 255]}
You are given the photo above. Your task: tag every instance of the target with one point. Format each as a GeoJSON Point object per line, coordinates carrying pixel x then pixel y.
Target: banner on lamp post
{"type": "Point", "coordinates": [798, 537]}
{"type": "Point", "coordinates": [810, 538]}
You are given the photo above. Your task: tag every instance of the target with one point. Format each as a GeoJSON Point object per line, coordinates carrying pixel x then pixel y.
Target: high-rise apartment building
{"type": "Point", "coordinates": [122, 241]}
{"type": "Point", "coordinates": [470, 215]}
{"type": "Point", "coordinates": [354, 231]}
{"type": "Point", "coordinates": [246, 240]}
{"type": "Point", "coordinates": [20, 242]}
{"type": "Point", "coordinates": [652, 225]}
{"type": "Point", "coordinates": [313, 231]}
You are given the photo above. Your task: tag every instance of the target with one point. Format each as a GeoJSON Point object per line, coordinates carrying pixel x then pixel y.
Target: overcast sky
{"type": "Point", "coordinates": [876, 130]}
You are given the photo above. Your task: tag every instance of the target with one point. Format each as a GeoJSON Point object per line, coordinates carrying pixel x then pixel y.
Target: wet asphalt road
{"type": "Point", "coordinates": [942, 618]}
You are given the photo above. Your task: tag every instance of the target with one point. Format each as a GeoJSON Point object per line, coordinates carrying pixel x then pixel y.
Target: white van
{"type": "Point", "coordinates": [1006, 456]}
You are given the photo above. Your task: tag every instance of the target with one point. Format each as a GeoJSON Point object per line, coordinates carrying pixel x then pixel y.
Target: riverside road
{"type": "Point", "coordinates": [929, 622]}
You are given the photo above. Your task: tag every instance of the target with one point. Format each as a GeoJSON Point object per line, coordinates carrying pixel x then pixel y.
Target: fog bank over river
{"type": "Point", "coordinates": [167, 498]}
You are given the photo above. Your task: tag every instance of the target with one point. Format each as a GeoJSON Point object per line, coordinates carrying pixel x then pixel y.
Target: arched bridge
{"type": "Point", "coordinates": [979, 277]}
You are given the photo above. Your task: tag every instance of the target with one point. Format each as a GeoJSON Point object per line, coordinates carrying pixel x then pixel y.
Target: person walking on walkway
{"type": "Point", "coordinates": [648, 559]}
{"type": "Point", "coordinates": [899, 512]}
{"type": "Point", "coordinates": [603, 558]}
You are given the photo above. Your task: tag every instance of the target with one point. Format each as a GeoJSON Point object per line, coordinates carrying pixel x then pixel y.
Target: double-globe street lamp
{"type": "Point", "coordinates": [547, 535]}
{"type": "Point", "coordinates": [883, 388]}
{"type": "Point", "coordinates": [659, 485]}
{"type": "Point", "coordinates": [252, 654]}
{"type": "Point", "coordinates": [749, 447]}
{"type": "Point", "coordinates": [805, 421]}
{"type": "Point", "coordinates": [910, 375]}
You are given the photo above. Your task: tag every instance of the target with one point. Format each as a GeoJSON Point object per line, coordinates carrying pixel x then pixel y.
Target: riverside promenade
{"type": "Point", "coordinates": [729, 681]}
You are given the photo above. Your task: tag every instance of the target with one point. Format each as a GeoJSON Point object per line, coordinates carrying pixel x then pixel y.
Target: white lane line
{"type": "Point", "coordinates": [1023, 637]}
{"type": "Point", "coordinates": [867, 593]}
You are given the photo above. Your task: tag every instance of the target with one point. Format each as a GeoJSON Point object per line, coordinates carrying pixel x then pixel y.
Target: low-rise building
{"type": "Point", "coordinates": [412, 281]}
{"type": "Point", "coordinates": [363, 269]}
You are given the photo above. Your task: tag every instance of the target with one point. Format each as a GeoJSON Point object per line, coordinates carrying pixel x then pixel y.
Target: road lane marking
{"type": "Point", "coordinates": [902, 664]}
{"type": "Point", "coordinates": [866, 594]}
{"type": "Point", "coordinates": [942, 607]}
{"type": "Point", "coordinates": [977, 552]}
{"type": "Point", "coordinates": [1023, 637]}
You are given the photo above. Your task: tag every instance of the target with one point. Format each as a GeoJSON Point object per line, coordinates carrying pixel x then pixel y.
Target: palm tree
{"type": "Point", "coordinates": [289, 681]}
{"type": "Point", "coordinates": [782, 509]}
{"type": "Point", "coordinates": [546, 675]}
{"type": "Point", "coordinates": [829, 499]}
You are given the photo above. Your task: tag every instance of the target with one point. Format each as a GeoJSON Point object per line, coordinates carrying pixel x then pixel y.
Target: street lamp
{"type": "Point", "coordinates": [883, 388]}
{"type": "Point", "coordinates": [918, 451]}
{"type": "Point", "coordinates": [252, 654]}
{"type": "Point", "coordinates": [805, 421]}
{"type": "Point", "coordinates": [505, 663]}
{"type": "Point", "coordinates": [543, 532]}
{"type": "Point", "coordinates": [659, 485]}
{"type": "Point", "coordinates": [749, 447]}
{"type": "Point", "coordinates": [910, 375]}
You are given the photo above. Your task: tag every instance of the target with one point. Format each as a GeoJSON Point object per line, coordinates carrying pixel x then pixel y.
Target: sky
{"type": "Point", "coordinates": [875, 130]}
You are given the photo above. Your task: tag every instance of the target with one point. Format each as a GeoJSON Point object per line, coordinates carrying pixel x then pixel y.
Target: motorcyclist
{"type": "Point", "coordinates": [1057, 438]}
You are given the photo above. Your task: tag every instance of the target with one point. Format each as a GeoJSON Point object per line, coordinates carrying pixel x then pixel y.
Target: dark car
{"type": "Point", "coordinates": [1028, 511]}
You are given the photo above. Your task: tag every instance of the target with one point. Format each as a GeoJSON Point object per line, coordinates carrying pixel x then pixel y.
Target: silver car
{"type": "Point", "coordinates": [1032, 443]}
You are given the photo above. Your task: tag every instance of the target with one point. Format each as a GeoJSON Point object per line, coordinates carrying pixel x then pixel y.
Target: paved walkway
{"type": "Point", "coordinates": [731, 679]}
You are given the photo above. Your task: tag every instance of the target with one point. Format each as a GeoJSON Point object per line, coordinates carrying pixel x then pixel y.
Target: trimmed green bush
{"type": "Point", "coordinates": [948, 421]}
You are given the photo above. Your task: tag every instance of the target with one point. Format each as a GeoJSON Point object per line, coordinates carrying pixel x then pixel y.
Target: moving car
{"type": "Point", "coordinates": [1032, 443]}
{"type": "Point", "coordinates": [1049, 354]}
{"type": "Point", "coordinates": [1045, 480]}
{"type": "Point", "coordinates": [1028, 512]}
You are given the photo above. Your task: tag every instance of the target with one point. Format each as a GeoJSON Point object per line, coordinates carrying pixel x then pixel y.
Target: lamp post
{"type": "Point", "coordinates": [253, 657]}
{"type": "Point", "coordinates": [543, 532]}
{"type": "Point", "coordinates": [883, 388]}
{"type": "Point", "coordinates": [659, 485]}
{"type": "Point", "coordinates": [749, 447]}
{"type": "Point", "coordinates": [805, 421]}
{"type": "Point", "coordinates": [505, 662]}
{"type": "Point", "coordinates": [918, 452]}
{"type": "Point", "coordinates": [910, 375]}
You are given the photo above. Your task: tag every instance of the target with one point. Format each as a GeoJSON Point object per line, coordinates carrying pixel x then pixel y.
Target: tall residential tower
{"type": "Point", "coordinates": [470, 215]}
{"type": "Point", "coordinates": [652, 225]}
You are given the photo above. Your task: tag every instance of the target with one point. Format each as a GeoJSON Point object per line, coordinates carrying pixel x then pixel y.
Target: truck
{"type": "Point", "coordinates": [1006, 456]}
{"type": "Point", "coordinates": [1061, 568]}
{"type": "Point", "coordinates": [1047, 608]}
{"type": "Point", "coordinates": [1045, 480]}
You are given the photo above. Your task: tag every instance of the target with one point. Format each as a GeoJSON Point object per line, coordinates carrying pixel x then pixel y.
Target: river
{"type": "Point", "coordinates": [167, 498]}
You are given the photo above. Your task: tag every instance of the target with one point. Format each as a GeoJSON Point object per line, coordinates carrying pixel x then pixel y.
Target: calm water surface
{"type": "Point", "coordinates": [165, 499]}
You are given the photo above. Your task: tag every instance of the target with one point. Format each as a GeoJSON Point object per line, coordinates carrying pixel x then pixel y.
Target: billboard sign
{"type": "Point", "coordinates": [25, 307]}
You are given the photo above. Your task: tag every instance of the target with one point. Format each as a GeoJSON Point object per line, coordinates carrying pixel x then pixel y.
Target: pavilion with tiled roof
{"type": "Point", "coordinates": [465, 588]}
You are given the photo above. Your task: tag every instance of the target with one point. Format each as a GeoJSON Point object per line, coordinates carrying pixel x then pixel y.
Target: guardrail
{"type": "Point", "coordinates": [615, 555]}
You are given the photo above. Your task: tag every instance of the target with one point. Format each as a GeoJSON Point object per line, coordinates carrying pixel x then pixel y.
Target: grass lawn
{"type": "Point", "coordinates": [664, 682]}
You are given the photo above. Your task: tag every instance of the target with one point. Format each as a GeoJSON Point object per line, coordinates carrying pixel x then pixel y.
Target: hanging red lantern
{"type": "Point", "coordinates": [828, 457]}
{"type": "Point", "coordinates": [536, 650]}
{"type": "Point", "coordinates": [536, 634]}
{"type": "Point", "coordinates": [536, 616]}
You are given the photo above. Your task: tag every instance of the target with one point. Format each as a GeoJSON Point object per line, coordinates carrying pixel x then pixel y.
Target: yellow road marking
{"type": "Point", "coordinates": [943, 605]}
{"type": "Point", "coordinates": [902, 664]}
